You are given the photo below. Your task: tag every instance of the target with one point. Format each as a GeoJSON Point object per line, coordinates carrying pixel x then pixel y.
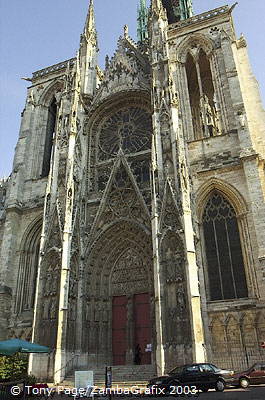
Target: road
{"type": "Point", "coordinates": [252, 393]}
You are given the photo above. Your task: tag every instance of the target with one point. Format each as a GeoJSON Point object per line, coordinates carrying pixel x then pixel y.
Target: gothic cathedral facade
{"type": "Point", "coordinates": [132, 226]}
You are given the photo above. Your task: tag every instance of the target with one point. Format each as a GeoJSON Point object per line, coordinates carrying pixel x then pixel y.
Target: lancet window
{"type": "Point", "coordinates": [203, 102]}
{"type": "Point", "coordinates": [50, 132]}
{"type": "Point", "coordinates": [226, 271]}
{"type": "Point", "coordinates": [28, 268]}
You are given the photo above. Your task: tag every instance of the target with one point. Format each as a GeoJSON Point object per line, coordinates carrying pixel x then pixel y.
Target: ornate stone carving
{"type": "Point", "coordinates": [170, 214]}
{"type": "Point", "coordinates": [128, 69]}
{"type": "Point", "coordinates": [241, 42]}
{"type": "Point", "coordinates": [129, 274]}
{"type": "Point", "coordinates": [128, 129]}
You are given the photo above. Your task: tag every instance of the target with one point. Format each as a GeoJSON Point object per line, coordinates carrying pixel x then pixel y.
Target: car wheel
{"type": "Point", "coordinates": [244, 383]}
{"type": "Point", "coordinates": [220, 386]}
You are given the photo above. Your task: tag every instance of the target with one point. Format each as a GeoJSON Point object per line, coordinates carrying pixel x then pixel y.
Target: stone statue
{"type": "Point", "coordinates": [53, 308]}
{"type": "Point", "coordinates": [58, 96]}
{"type": "Point", "coordinates": [181, 301]}
{"type": "Point", "coordinates": [126, 31]}
{"type": "Point", "coordinates": [209, 114]}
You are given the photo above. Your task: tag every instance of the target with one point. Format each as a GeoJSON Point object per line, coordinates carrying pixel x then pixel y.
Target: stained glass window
{"type": "Point", "coordinates": [226, 272]}
{"type": "Point", "coordinates": [128, 129]}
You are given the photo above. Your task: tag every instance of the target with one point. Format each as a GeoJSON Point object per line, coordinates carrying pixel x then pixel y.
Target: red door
{"type": "Point", "coordinates": [119, 322]}
{"type": "Point", "coordinates": [142, 324]}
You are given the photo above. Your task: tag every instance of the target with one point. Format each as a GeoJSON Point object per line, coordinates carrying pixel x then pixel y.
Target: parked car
{"type": "Point", "coordinates": [203, 376]}
{"type": "Point", "coordinates": [252, 376]}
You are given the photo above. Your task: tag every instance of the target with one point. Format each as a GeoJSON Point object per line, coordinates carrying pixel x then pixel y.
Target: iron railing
{"type": "Point", "coordinates": [235, 359]}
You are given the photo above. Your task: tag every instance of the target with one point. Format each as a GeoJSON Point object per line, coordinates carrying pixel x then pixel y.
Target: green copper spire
{"type": "Point", "coordinates": [142, 31]}
{"type": "Point", "coordinates": [186, 10]}
{"type": "Point", "coordinates": [178, 10]}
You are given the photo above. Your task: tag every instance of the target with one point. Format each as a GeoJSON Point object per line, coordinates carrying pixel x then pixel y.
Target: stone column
{"type": "Point", "coordinates": [160, 354]}
{"type": "Point", "coordinates": [61, 353]}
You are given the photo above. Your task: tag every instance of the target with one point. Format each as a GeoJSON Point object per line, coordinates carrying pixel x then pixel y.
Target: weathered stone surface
{"type": "Point", "coordinates": [134, 154]}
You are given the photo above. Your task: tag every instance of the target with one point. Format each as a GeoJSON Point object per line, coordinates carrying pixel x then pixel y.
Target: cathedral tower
{"type": "Point", "coordinates": [133, 223]}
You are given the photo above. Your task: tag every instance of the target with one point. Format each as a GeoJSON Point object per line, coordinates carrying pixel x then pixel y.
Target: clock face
{"type": "Point", "coordinates": [128, 129]}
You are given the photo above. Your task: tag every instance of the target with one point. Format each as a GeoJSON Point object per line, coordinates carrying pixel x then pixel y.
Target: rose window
{"type": "Point", "coordinates": [129, 130]}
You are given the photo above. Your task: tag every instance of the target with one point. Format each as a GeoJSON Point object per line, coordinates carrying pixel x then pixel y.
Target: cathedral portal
{"type": "Point", "coordinates": [119, 293]}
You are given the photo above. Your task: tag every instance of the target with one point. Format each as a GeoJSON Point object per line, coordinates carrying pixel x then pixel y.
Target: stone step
{"type": "Point", "coordinates": [122, 376]}
{"type": "Point", "coordinates": [116, 384]}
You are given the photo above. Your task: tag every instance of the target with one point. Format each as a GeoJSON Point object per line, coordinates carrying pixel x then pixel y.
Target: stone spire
{"type": "Point", "coordinates": [156, 5]}
{"type": "Point", "coordinates": [178, 10]}
{"type": "Point", "coordinates": [158, 9]}
{"type": "Point", "coordinates": [142, 30]}
{"type": "Point", "coordinates": [88, 53]}
{"type": "Point", "coordinates": [90, 26]}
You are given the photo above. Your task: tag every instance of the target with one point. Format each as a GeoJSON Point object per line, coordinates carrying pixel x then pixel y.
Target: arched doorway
{"type": "Point", "coordinates": [119, 293]}
{"type": "Point", "coordinates": [131, 314]}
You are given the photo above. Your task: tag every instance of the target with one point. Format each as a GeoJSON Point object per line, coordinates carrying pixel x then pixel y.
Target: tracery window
{"type": "Point", "coordinates": [226, 273]}
{"type": "Point", "coordinates": [50, 131]}
{"type": "Point", "coordinates": [127, 129]}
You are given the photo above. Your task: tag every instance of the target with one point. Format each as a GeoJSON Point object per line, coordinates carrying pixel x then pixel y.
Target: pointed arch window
{"type": "Point", "coordinates": [203, 103]}
{"type": "Point", "coordinates": [28, 268]}
{"type": "Point", "coordinates": [50, 131]}
{"type": "Point", "coordinates": [226, 272]}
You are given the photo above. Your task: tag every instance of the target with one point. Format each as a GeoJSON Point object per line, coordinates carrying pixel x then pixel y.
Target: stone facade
{"type": "Point", "coordinates": [119, 176]}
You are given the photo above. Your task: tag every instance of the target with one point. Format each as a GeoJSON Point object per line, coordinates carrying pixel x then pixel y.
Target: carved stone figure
{"type": "Point", "coordinates": [181, 300]}
{"type": "Point", "coordinates": [53, 309]}
{"type": "Point", "coordinates": [209, 113]}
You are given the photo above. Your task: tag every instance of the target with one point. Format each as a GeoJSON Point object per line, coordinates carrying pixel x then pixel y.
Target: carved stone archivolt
{"type": "Point", "coordinates": [111, 245]}
{"type": "Point", "coordinates": [118, 263]}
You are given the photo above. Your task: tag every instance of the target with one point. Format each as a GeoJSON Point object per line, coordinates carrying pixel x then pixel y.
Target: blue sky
{"type": "Point", "coordinates": [38, 33]}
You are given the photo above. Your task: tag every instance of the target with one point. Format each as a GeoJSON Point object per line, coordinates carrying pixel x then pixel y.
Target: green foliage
{"type": "Point", "coordinates": [15, 368]}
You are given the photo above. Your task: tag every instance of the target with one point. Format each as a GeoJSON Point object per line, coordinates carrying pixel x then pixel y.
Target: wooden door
{"type": "Point", "coordinates": [142, 326]}
{"type": "Point", "coordinates": [119, 334]}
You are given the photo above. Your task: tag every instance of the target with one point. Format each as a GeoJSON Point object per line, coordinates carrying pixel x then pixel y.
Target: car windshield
{"type": "Point", "coordinates": [257, 367]}
{"type": "Point", "coordinates": [207, 368]}
{"type": "Point", "coordinates": [253, 367]}
{"type": "Point", "coordinates": [176, 370]}
{"type": "Point", "coordinates": [192, 369]}
{"type": "Point", "coordinates": [216, 369]}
